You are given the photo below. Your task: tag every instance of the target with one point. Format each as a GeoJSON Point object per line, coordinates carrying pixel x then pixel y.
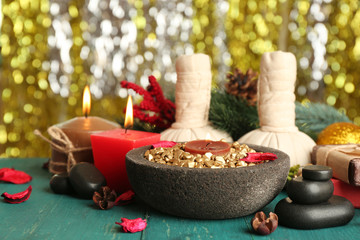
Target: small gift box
{"type": "Point", "coordinates": [344, 159]}
{"type": "Point", "coordinates": [347, 191]}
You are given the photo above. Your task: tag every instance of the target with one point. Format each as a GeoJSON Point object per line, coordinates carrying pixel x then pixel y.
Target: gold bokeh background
{"type": "Point", "coordinates": [41, 83]}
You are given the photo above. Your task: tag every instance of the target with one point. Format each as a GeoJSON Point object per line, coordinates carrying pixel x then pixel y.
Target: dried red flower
{"type": "Point", "coordinates": [14, 176]}
{"type": "Point", "coordinates": [258, 157]}
{"type": "Point", "coordinates": [17, 197]}
{"type": "Point", "coordinates": [125, 198]}
{"type": "Point", "coordinates": [132, 225]}
{"type": "Point", "coordinates": [163, 110]}
{"type": "Point", "coordinates": [164, 144]}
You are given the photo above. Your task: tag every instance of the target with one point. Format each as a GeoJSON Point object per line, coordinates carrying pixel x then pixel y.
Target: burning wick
{"type": "Point", "coordinates": [207, 144]}
{"type": "Point", "coordinates": [86, 101]}
{"type": "Point", "coordinates": [128, 115]}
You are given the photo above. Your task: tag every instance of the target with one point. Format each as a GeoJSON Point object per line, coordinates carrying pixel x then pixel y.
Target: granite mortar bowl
{"type": "Point", "coordinates": [206, 193]}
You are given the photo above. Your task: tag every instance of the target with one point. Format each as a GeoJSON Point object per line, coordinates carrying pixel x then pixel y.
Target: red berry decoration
{"type": "Point", "coordinates": [162, 110]}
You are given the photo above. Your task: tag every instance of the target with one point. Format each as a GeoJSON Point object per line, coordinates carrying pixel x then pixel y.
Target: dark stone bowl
{"type": "Point", "coordinates": [206, 193]}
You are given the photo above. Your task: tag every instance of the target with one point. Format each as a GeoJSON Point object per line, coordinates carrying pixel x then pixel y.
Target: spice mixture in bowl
{"type": "Point", "coordinates": [237, 155]}
{"type": "Point", "coordinates": [207, 187]}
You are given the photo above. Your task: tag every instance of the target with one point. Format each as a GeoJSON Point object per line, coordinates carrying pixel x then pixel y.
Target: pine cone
{"type": "Point", "coordinates": [243, 85]}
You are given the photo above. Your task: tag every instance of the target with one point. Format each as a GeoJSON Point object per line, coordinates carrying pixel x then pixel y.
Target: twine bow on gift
{"type": "Point", "coordinates": [343, 159]}
{"type": "Point", "coordinates": [322, 154]}
{"type": "Point", "coordinates": [63, 144]}
{"type": "Point", "coordinates": [353, 149]}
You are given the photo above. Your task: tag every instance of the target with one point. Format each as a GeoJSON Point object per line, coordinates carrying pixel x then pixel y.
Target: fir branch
{"type": "Point", "coordinates": [236, 117]}
{"type": "Point", "coordinates": [232, 114]}
{"type": "Point", "coordinates": [139, 125]}
{"type": "Point", "coordinates": [312, 118]}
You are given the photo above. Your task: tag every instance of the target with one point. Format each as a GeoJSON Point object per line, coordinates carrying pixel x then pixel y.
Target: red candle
{"type": "Point", "coordinates": [204, 146]}
{"type": "Point", "coordinates": [111, 147]}
{"type": "Point", "coordinates": [78, 130]}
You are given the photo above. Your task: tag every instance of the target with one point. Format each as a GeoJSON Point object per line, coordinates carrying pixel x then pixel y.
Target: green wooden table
{"type": "Point", "coordinates": [50, 216]}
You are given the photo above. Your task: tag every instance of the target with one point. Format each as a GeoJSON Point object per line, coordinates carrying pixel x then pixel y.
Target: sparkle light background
{"type": "Point", "coordinates": [51, 49]}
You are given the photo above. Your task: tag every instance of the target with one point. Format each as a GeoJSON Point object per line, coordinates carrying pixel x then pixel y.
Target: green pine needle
{"type": "Point", "coordinates": [140, 126]}
{"type": "Point", "coordinates": [236, 117]}
{"type": "Point", "coordinates": [312, 118]}
{"type": "Point", "coordinates": [232, 115]}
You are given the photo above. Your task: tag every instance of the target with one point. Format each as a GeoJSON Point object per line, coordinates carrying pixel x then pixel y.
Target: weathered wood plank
{"type": "Point", "coordinates": [50, 216]}
{"type": "Point", "coordinates": [163, 226]}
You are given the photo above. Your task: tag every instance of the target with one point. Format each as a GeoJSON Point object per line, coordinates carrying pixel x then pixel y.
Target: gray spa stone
{"type": "Point", "coordinates": [336, 211]}
{"type": "Point", "coordinates": [60, 184]}
{"type": "Point", "coordinates": [207, 193]}
{"type": "Point", "coordinates": [317, 172]}
{"type": "Point", "coordinates": [304, 191]}
{"type": "Point", "coordinates": [85, 178]}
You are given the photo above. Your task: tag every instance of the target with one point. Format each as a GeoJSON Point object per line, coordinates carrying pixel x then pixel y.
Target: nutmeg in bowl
{"type": "Point", "coordinates": [207, 193]}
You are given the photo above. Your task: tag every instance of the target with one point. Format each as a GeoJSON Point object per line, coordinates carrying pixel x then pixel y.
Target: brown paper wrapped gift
{"type": "Point", "coordinates": [344, 159]}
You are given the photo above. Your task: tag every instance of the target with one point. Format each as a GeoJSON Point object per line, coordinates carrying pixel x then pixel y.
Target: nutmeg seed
{"type": "Point", "coordinates": [263, 225]}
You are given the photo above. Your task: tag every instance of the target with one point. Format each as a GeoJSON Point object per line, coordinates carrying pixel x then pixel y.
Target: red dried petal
{"type": "Point", "coordinates": [258, 157]}
{"type": "Point", "coordinates": [164, 144]}
{"type": "Point", "coordinates": [125, 198]}
{"type": "Point", "coordinates": [132, 225]}
{"type": "Point", "coordinates": [14, 176]}
{"type": "Point", "coordinates": [17, 197]}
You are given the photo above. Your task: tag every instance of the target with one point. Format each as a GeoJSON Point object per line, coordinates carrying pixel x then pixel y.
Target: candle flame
{"type": "Point", "coordinates": [129, 114]}
{"type": "Point", "coordinates": [86, 101]}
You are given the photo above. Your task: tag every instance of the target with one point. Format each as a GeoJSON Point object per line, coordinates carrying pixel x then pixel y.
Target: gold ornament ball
{"type": "Point", "coordinates": [340, 133]}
